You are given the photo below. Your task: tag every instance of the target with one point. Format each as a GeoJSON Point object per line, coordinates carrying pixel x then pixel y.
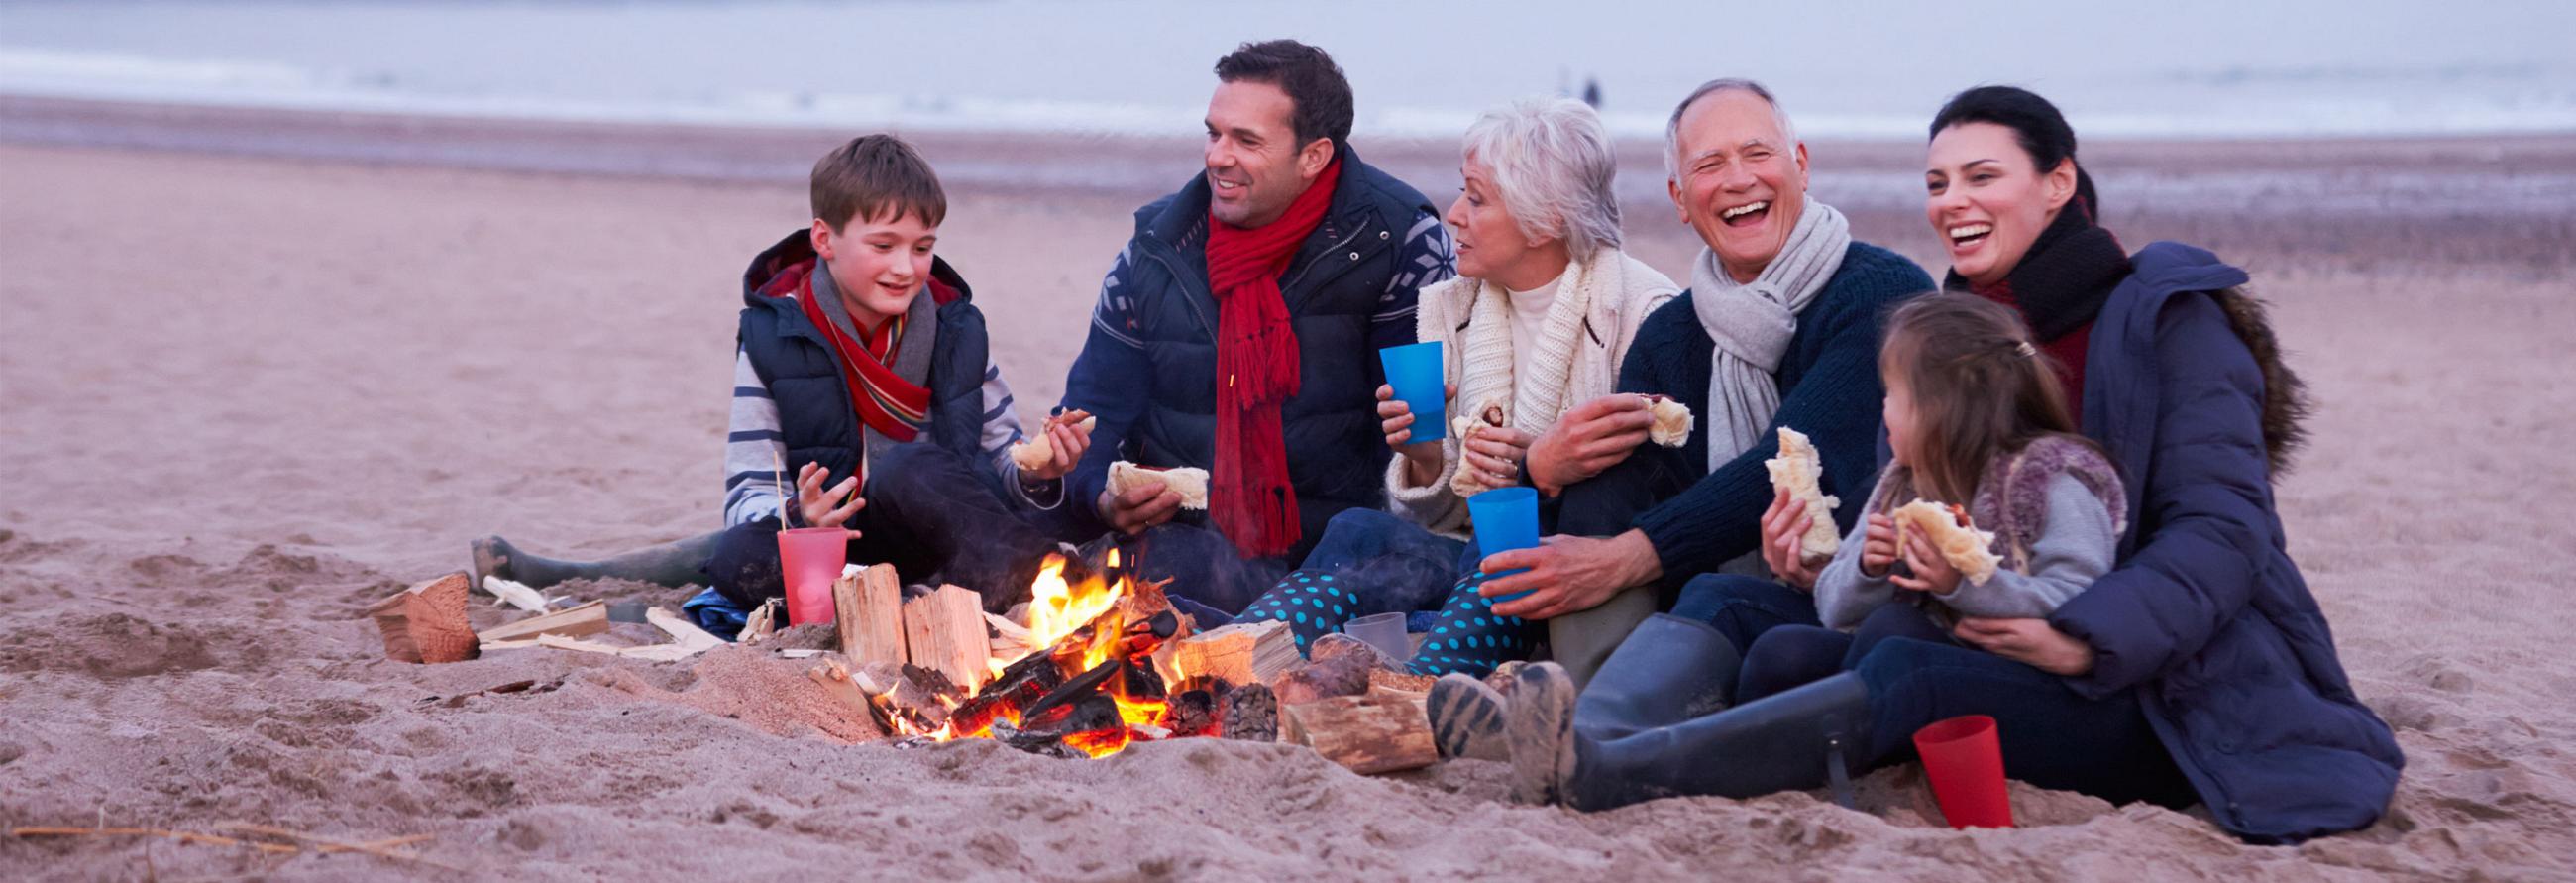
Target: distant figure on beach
{"type": "Point", "coordinates": [1592, 92]}
{"type": "Point", "coordinates": [2198, 669]}
{"type": "Point", "coordinates": [862, 365]}
{"type": "Point", "coordinates": [1237, 332]}
{"type": "Point", "coordinates": [1533, 329]}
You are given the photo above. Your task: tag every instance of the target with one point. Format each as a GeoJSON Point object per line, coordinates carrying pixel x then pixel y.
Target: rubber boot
{"type": "Point", "coordinates": [673, 564]}
{"type": "Point", "coordinates": [1803, 738]}
{"type": "Point", "coordinates": [1670, 670]}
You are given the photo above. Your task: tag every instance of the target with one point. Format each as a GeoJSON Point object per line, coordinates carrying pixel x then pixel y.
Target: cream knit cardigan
{"type": "Point", "coordinates": [1599, 303]}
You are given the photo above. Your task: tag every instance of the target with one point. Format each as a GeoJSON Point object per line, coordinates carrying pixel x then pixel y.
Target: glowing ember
{"type": "Point", "coordinates": [1084, 638]}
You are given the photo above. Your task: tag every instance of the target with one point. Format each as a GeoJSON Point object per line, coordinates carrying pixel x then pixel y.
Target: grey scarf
{"type": "Point", "coordinates": [911, 355]}
{"type": "Point", "coordinates": [1753, 323]}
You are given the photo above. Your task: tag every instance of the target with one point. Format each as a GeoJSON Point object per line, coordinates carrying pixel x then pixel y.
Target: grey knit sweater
{"type": "Point", "coordinates": [2073, 550]}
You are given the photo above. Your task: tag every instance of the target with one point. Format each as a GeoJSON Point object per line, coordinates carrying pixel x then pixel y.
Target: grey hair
{"type": "Point", "coordinates": [1673, 127]}
{"type": "Point", "coordinates": [1552, 162]}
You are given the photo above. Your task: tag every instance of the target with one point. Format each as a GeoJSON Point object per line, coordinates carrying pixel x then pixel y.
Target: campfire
{"type": "Point", "coordinates": [1089, 667]}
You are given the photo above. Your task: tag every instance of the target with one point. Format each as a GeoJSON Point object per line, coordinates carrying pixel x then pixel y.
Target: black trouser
{"type": "Point", "coordinates": [928, 513]}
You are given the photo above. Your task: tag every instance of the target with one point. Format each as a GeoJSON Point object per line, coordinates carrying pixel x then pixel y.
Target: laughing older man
{"type": "Point", "coordinates": [1780, 327]}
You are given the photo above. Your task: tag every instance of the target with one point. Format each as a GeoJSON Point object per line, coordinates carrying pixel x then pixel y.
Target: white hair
{"type": "Point", "coordinates": [1551, 160]}
{"type": "Point", "coordinates": [1673, 127]}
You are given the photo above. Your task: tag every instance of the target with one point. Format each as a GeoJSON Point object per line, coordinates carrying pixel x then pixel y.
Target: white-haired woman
{"type": "Point", "coordinates": [1534, 327]}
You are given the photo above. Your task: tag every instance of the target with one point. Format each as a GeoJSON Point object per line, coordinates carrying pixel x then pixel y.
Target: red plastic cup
{"type": "Point", "coordinates": [1966, 765]}
{"type": "Point", "coordinates": [810, 558]}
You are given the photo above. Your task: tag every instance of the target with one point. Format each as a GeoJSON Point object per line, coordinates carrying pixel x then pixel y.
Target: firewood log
{"type": "Point", "coordinates": [426, 623]}
{"type": "Point", "coordinates": [1251, 714]}
{"type": "Point", "coordinates": [1242, 653]}
{"type": "Point", "coordinates": [944, 631]}
{"type": "Point", "coordinates": [868, 615]}
{"type": "Point", "coordinates": [1377, 732]}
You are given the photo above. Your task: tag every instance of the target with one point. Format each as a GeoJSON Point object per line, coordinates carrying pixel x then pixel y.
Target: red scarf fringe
{"type": "Point", "coordinates": [1250, 498]}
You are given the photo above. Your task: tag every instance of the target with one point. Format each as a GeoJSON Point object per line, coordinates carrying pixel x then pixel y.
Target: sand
{"type": "Point", "coordinates": [242, 397]}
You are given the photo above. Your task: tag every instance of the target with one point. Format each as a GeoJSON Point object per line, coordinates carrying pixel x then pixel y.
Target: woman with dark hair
{"type": "Point", "coordinates": [2198, 669]}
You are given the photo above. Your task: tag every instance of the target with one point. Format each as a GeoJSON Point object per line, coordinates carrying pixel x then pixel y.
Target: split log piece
{"type": "Point", "coordinates": [868, 614]}
{"type": "Point", "coordinates": [1382, 731]}
{"type": "Point", "coordinates": [944, 631]}
{"type": "Point", "coordinates": [426, 623]}
{"type": "Point", "coordinates": [572, 622]}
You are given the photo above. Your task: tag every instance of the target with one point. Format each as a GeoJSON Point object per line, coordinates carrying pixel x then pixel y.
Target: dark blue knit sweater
{"type": "Point", "coordinates": [1829, 389]}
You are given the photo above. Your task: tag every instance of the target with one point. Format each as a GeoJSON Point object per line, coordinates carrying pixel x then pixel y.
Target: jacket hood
{"type": "Point", "coordinates": [781, 268]}
{"type": "Point", "coordinates": [2167, 268]}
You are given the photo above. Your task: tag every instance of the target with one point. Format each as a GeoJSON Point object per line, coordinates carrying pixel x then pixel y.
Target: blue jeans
{"type": "Point", "coordinates": [1366, 562]}
{"type": "Point", "coordinates": [2052, 737]}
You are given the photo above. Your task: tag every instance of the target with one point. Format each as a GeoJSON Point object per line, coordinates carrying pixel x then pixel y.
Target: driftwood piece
{"type": "Point", "coordinates": [573, 622]}
{"type": "Point", "coordinates": [1242, 653]}
{"type": "Point", "coordinates": [1341, 668]}
{"type": "Point", "coordinates": [516, 594]}
{"type": "Point", "coordinates": [761, 623]}
{"type": "Point", "coordinates": [868, 614]}
{"type": "Point", "coordinates": [1381, 731]}
{"type": "Point", "coordinates": [426, 623]}
{"type": "Point", "coordinates": [944, 631]}
{"type": "Point", "coordinates": [1251, 714]}
{"type": "Point", "coordinates": [685, 635]}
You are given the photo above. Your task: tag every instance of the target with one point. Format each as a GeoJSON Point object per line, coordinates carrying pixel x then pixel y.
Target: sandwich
{"type": "Point", "coordinates": [1188, 481]}
{"type": "Point", "coordinates": [1969, 550]}
{"type": "Point", "coordinates": [1040, 447]}
{"type": "Point", "coordinates": [1798, 471]}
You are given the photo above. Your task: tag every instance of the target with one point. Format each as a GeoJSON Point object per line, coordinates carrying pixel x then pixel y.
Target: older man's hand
{"type": "Point", "coordinates": [1565, 574]}
{"type": "Point", "coordinates": [1593, 437]}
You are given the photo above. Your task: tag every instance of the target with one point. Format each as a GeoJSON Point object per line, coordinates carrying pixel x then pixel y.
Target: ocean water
{"type": "Point", "coordinates": [2172, 69]}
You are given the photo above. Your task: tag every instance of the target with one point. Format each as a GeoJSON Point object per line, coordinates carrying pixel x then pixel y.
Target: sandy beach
{"type": "Point", "coordinates": [250, 389]}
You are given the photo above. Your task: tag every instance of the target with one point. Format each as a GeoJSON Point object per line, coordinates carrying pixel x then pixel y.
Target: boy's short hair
{"type": "Point", "coordinates": [876, 176]}
{"type": "Point", "coordinates": [1313, 82]}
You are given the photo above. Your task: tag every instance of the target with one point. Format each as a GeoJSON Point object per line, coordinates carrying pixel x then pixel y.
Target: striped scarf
{"type": "Point", "coordinates": [894, 407]}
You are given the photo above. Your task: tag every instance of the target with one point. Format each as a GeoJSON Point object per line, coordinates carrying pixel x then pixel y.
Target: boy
{"type": "Point", "coordinates": [863, 366]}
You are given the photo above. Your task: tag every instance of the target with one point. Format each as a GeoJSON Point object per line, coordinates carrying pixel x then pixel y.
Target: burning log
{"type": "Point", "coordinates": [1192, 711]}
{"type": "Point", "coordinates": [867, 613]}
{"type": "Point", "coordinates": [1251, 714]}
{"type": "Point", "coordinates": [944, 631]}
{"type": "Point", "coordinates": [1242, 653]}
{"type": "Point", "coordinates": [1381, 731]}
{"type": "Point", "coordinates": [1019, 686]}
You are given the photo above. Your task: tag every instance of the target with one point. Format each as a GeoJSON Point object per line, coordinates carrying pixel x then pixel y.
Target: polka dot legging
{"type": "Point", "coordinates": [1467, 637]}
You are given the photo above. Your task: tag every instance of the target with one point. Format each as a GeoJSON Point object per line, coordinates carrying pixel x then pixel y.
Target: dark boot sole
{"type": "Point", "coordinates": [1541, 734]}
{"type": "Point", "coordinates": [1467, 719]}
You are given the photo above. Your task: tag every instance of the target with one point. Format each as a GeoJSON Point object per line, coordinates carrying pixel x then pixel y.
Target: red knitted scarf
{"type": "Point", "coordinates": [896, 408]}
{"type": "Point", "coordinates": [1256, 371]}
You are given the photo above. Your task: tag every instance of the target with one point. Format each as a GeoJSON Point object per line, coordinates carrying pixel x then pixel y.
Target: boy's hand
{"type": "Point", "coordinates": [1395, 418]}
{"type": "Point", "coordinates": [1783, 526]}
{"type": "Point", "coordinates": [1932, 573]}
{"type": "Point", "coordinates": [1143, 506]}
{"type": "Point", "coordinates": [1878, 547]}
{"type": "Point", "coordinates": [1068, 441]}
{"type": "Point", "coordinates": [820, 507]}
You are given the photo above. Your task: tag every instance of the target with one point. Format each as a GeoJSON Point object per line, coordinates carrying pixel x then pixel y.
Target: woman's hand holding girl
{"type": "Point", "coordinates": [2031, 642]}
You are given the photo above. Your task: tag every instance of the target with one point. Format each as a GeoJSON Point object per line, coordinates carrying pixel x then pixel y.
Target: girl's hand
{"type": "Point", "coordinates": [1932, 573]}
{"type": "Point", "coordinates": [1878, 547]}
{"type": "Point", "coordinates": [1496, 452]}
{"type": "Point", "coordinates": [820, 507]}
{"type": "Point", "coordinates": [2031, 642]}
{"type": "Point", "coordinates": [1395, 418]}
{"type": "Point", "coordinates": [1782, 526]}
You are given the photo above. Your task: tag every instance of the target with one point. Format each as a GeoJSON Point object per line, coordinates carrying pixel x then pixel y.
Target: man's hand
{"type": "Point", "coordinates": [820, 507]}
{"type": "Point", "coordinates": [1395, 418]}
{"type": "Point", "coordinates": [1068, 442]}
{"type": "Point", "coordinates": [1566, 574]}
{"type": "Point", "coordinates": [1932, 570]}
{"type": "Point", "coordinates": [1593, 437]}
{"type": "Point", "coordinates": [1142, 507]}
{"type": "Point", "coordinates": [2031, 642]}
{"type": "Point", "coordinates": [1783, 527]}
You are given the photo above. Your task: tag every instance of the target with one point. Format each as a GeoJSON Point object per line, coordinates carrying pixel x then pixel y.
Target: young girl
{"type": "Point", "coordinates": [1977, 417]}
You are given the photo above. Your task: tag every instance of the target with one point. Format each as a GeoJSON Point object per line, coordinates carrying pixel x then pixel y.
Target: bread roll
{"type": "Point", "coordinates": [1040, 447]}
{"type": "Point", "coordinates": [1188, 481]}
{"type": "Point", "coordinates": [1672, 424]}
{"type": "Point", "coordinates": [1799, 471]}
{"type": "Point", "coordinates": [1969, 550]}
{"type": "Point", "coordinates": [1464, 481]}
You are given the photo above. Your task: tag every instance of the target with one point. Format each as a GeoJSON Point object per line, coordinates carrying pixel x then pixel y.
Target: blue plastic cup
{"type": "Point", "coordinates": [1415, 369]}
{"type": "Point", "coordinates": [1505, 519]}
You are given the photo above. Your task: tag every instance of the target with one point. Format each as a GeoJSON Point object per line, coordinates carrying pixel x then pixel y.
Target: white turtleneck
{"type": "Point", "coordinates": [1529, 322]}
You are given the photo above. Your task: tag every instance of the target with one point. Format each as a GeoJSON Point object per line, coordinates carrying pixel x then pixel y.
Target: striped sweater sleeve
{"type": "Point", "coordinates": [1002, 430]}
{"type": "Point", "coordinates": [753, 448]}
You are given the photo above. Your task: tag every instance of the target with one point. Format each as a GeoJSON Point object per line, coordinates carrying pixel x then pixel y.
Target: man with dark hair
{"type": "Point", "coordinates": [1237, 333]}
